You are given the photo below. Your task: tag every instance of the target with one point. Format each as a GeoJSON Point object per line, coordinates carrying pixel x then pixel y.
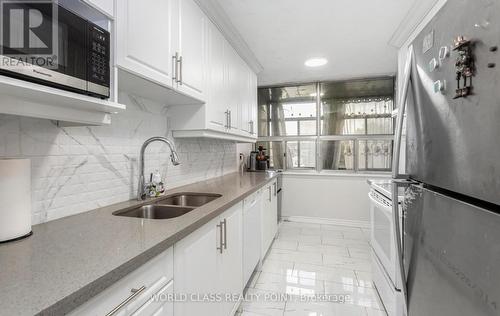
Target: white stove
{"type": "Point", "coordinates": [383, 242]}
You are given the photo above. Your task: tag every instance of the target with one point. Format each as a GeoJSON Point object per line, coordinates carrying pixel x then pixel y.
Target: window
{"type": "Point", "coordinates": [301, 154]}
{"type": "Point", "coordinates": [337, 154]}
{"type": "Point", "coordinates": [288, 111]}
{"type": "Point", "coordinates": [342, 125]}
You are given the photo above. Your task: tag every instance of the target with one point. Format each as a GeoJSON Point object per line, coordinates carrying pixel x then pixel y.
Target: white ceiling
{"type": "Point", "coordinates": [353, 35]}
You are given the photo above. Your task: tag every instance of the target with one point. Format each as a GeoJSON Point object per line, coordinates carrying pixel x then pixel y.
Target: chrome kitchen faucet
{"type": "Point", "coordinates": [141, 194]}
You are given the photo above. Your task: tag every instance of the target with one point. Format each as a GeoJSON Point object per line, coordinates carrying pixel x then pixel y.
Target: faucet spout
{"type": "Point", "coordinates": [174, 157]}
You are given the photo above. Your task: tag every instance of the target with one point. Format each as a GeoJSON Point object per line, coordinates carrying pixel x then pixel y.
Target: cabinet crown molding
{"type": "Point", "coordinates": [219, 17]}
{"type": "Point", "coordinates": [417, 13]}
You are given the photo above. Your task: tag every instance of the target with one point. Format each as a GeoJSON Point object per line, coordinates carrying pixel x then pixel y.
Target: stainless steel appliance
{"type": "Point", "coordinates": [252, 161]}
{"type": "Point", "coordinates": [449, 256]}
{"type": "Point", "coordinates": [64, 51]}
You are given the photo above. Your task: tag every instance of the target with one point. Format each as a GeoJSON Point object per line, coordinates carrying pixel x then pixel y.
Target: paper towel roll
{"type": "Point", "coordinates": [15, 198]}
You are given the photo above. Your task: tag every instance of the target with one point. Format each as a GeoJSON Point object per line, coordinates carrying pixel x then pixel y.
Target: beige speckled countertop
{"type": "Point", "coordinates": [68, 261]}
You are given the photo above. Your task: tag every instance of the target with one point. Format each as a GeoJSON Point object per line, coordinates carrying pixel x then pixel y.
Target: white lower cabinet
{"type": "Point", "coordinates": [137, 293]}
{"type": "Point", "coordinates": [251, 234]}
{"type": "Point", "coordinates": [208, 266]}
{"type": "Point", "coordinates": [211, 267]}
{"type": "Point", "coordinates": [269, 216]}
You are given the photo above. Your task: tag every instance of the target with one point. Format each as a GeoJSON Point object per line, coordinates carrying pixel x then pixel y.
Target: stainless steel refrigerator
{"type": "Point", "coordinates": [450, 254]}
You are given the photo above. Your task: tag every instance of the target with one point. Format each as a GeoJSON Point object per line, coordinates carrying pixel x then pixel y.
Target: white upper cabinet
{"type": "Point", "coordinates": [191, 48]}
{"type": "Point", "coordinates": [217, 100]}
{"type": "Point", "coordinates": [163, 41]}
{"type": "Point", "coordinates": [232, 83]}
{"type": "Point", "coordinates": [105, 6]}
{"type": "Point", "coordinates": [174, 45]}
{"type": "Point", "coordinates": [144, 41]}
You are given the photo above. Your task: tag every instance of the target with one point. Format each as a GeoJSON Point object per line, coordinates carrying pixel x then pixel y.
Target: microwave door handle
{"type": "Point", "coordinates": [401, 112]}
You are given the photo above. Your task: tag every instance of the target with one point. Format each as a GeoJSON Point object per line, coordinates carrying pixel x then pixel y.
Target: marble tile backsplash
{"type": "Point", "coordinates": [76, 169]}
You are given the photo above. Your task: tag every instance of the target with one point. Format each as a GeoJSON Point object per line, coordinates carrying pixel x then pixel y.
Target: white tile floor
{"type": "Point", "coordinates": [307, 260]}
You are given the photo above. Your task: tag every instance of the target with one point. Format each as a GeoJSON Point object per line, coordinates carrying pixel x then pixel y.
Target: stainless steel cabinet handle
{"type": "Point", "coordinates": [180, 71]}
{"type": "Point", "coordinates": [224, 222]}
{"type": "Point", "coordinates": [227, 119]}
{"type": "Point", "coordinates": [251, 127]}
{"type": "Point", "coordinates": [270, 195]}
{"type": "Point", "coordinates": [275, 189]}
{"type": "Point", "coordinates": [221, 237]}
{"type": "Point", "coordinates": [230, 120]}
{"type": "Point", "coordinates": [135, 293]}
{"type": "Point", "coordinates": [174, 68]}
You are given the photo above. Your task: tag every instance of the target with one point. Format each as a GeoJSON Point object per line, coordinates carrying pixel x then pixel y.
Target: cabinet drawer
{"type": "Point", "coordinates": [154, 276]}
{"type": "Point", "coordinates": [160, 304]}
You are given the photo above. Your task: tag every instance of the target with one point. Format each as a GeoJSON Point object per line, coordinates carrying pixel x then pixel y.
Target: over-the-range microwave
{"type": "Point", "coordinates": [45, 43]}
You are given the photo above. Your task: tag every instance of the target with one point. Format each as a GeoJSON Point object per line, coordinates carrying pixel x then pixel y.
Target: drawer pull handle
{"type": "Point", "coordinates": [224, 222]}
{"type": "Point", "coordinates": [135, 293]}
{"type": "Point", "coordinates": [221, 237]}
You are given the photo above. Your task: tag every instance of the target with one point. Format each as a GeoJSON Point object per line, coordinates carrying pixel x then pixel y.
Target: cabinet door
{"type": "Point", "coordinates": [269, 217]}
{"type": "Point", "coordinates": [192, 32]}
{"type": "Point", "coordinates": [253, 108]}
{"type": "Point", "coordinates": [251, 235]}
{"type": "Point", "coordinates": [144, 32]}
{"type": "Point", "coordinates": [231, 260]}
{"type": "Point", "coordinates": [232, 85]}
{"type": "Point", "coordinates": [244, 84]}
{"type": "Point", "coordinates": [195, 270]}
{"type": "Point", "coordinates": [217, 102]}
{"type": "Point", "coordinates": [105, 6]}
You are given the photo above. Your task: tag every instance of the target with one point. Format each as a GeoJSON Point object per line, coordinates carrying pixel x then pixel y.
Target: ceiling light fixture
{"type": "Point", "coordinates": [316, 62]}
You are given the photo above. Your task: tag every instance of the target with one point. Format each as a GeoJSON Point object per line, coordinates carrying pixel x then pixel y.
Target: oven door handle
{"type": "Point", "coordinates": [370, 195]}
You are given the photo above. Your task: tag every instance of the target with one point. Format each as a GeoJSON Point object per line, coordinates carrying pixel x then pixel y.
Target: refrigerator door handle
{"type": "Point", "coordinates": [396, 175]}
{"type": "Point", "coordinates": [401, 113]}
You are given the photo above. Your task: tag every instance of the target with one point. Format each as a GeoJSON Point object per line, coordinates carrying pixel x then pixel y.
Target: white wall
{"type": "Point", "coordinates": [340, 199]}
{"type": "Point", "coordinates": [76, 169]}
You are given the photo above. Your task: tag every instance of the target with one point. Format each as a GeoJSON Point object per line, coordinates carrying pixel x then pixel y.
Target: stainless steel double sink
{"type": "Point", "coordinates": [170, 206]}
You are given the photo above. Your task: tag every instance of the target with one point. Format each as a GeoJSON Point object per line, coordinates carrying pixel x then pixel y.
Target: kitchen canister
{"type": "Point", "coordinates": [15, 199]}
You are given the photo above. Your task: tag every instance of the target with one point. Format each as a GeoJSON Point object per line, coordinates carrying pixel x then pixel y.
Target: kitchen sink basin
{"type": "Point", "coordinates": [189, 199]}
{"type": "Point", "coordinates": [155, 211]}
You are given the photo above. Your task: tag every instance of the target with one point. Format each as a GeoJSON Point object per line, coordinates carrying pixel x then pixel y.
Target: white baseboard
{"type": "Point", "coordinates": [327, 221]}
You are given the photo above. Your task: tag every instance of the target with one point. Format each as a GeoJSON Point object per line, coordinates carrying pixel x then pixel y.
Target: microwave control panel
{"type": "Point", "coordinates": [99, 55]}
